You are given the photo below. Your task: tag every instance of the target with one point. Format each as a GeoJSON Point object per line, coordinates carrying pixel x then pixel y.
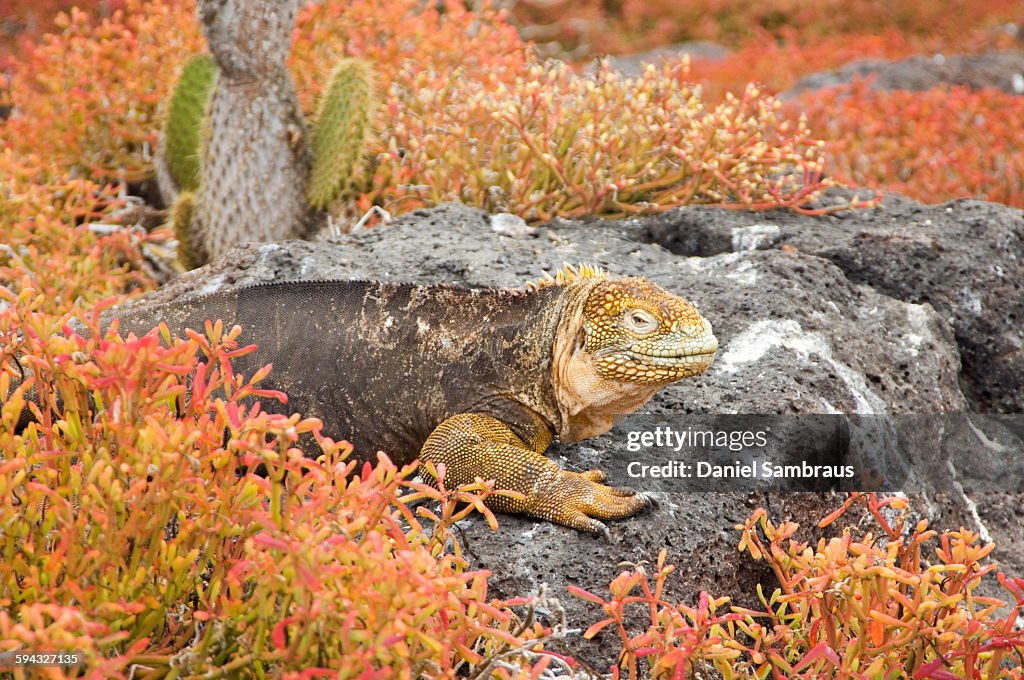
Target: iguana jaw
{"type": "Point", "coordinates": [676, 356]}
{"type": "Point", "coordinates": [619, 342]}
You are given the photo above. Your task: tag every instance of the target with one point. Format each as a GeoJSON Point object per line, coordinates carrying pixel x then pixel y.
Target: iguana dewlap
{"type": "Point", "coordinates": [480, 380]}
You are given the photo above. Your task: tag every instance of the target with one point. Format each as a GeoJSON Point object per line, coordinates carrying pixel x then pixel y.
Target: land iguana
{"type": "Point", "coordinates": [480, 380]}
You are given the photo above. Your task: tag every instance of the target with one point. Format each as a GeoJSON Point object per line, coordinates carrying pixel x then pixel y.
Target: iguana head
{"type": "Point", "coordinates": [638, 332]}
{"type": "Point", "coordinates": [623, 340]}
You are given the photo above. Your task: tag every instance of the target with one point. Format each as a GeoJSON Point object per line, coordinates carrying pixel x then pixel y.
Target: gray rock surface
{"type": "Point", "coordinates": [1000, 70]}
{"type": "Point", "coordinates": [863, 314]}
{"type": "Point", "coordinates": [965, 258]}
{"type": "Point", "coordinates": [633, 64]}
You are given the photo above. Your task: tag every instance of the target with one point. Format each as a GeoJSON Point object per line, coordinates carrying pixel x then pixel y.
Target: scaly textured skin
{"type": "Point", "coordinates": [479, 380]}
{"type": "Point", "coordinates": [475, 445]}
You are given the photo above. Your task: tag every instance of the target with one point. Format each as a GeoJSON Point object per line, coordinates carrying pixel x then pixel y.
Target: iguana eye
{"type": "Point", "coordinates": [639, 321]}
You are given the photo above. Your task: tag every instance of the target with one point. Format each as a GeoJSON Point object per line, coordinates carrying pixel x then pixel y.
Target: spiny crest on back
{"type": "Point", "coordinates": [566, 275]}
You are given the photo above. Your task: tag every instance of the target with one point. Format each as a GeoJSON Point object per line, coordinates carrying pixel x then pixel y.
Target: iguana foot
{"type": "Point", "coordinates": [474, 445]}
{"type": "Point", "coordinates": [580, 501]}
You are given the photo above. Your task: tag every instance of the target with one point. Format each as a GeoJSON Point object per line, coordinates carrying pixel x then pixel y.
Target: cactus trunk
{"type": "Point", "coordinates": [254, 160]}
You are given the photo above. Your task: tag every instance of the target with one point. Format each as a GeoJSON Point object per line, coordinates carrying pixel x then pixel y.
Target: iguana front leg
{"type": "Point", "coordinates": [475, 445]}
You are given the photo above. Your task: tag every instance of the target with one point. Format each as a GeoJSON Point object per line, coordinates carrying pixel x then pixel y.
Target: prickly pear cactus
{"type": "Point", "coordinates": [236, 145]}
{"type": "Point", "coordinates": [185, 114]}
{"type": "Point", "coordinates": [254, 159]}
{"type": "Point", "coordinates": [339, 132]}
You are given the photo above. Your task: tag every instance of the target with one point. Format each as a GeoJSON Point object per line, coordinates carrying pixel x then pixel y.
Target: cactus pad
{"type": "Point", "coordinates": [185, 119]}
{"type": "Point", "coordinates": [180, 222]}
{"type": "Point", "coordinates": [339, 133]}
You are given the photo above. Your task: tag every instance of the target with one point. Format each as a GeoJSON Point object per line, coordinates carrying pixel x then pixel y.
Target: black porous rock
{"type": "Point", "coordinates": [907, 316]}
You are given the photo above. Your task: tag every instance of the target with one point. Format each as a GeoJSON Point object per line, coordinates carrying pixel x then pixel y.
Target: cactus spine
{"type": "Point", "coordinates": [340, 130]}
{"type": "Point", "coordinates": [185, 115]}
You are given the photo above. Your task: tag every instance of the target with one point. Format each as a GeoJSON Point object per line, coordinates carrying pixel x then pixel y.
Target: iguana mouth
{"type": "Point", "coordinates": [706, 349]}
{"type": "Point", "coordinates": [671, 356]}
{"type": "Point", "coordinates": [685, 361]}
{"type": "Point", "coordinates": [692, 348]}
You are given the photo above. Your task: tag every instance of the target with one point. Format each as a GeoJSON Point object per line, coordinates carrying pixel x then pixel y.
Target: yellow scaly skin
{"type": "Point", "coordinates": [627, 339]}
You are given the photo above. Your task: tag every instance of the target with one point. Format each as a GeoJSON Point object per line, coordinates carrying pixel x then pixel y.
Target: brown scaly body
{"type": "Point", "coordinates": [480, 380]}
